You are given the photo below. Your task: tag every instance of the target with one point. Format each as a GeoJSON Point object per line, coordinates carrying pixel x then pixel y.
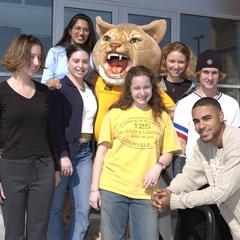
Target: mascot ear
{"type": "Point", "coordinates": [102, 26]}
{"type": "Point", "coordinates": [155, 29]}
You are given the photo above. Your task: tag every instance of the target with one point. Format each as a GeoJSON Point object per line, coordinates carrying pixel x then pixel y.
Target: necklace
{"type": "Point", "coordinates": [79, 84]}
{"type": "Point", "coordinates": [83, 88]}
{"type": "Point", "coordinates": [172, 86]}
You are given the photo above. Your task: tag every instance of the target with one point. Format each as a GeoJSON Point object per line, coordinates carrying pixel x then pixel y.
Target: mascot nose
{"type": "Point", "coordinates": [114, 46]}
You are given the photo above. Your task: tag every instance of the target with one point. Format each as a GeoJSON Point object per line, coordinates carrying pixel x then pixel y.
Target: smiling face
{"type": "Point", "coordinates": [208, 79]}
{"type": "Point", "coordinates": [78, 64]}
{"type": "Point", "coordinates": [176, 64]}
{"type": "Point", "coordinates": [141, 91]}
{"type": "Point", "coordinates": [80, 32]}
{"type": "Point", "coordinates": [208, 122]}
{"type": "Point", "coordinates": [35, 61]}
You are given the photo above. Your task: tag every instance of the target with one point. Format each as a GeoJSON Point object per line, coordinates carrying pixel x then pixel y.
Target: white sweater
{"type": "Point", "coordinates": [220, 168]}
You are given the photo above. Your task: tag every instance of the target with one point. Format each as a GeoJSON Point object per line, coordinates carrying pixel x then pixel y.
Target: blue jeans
{"type": "Point", "coordinates": [117, 210]}
{"type": "Point", "coordinates": [79, 187]}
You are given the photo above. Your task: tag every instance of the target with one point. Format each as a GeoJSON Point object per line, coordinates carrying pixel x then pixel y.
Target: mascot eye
{"type": "Point", "coordinates": [135, 40]}
{"type": "Point", "coordinates": [107, 38]}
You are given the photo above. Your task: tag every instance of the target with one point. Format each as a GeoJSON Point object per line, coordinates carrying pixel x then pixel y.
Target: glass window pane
{"type": "Point", "coordinates": [27, 19]}
{"type": "Point", "coordinates": [141, 20]}
{"type": "Point", "coordinates": [47, 3]}
{"type": "Point", "coordinates": [223, 35]}
{"type": "Point", "coordinates": [6, 36]}
{"type": "Point", "coordinates": [11, 1]}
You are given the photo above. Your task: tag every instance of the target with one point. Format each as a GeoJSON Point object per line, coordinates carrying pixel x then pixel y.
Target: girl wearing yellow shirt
{"type": "Point", "coordinates": [136, 142]}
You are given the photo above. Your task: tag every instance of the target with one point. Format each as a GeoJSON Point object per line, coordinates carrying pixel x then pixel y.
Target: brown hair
{"type": "Point", "coordinates": [186, 51]}
{"type": "Point", "coordinates": [18, 53]}
{"type": "Point", "coordinates": [126, 100]}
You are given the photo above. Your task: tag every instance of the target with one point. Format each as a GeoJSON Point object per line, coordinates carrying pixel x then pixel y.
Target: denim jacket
{"type": "Point", "coordinates": [55, 65]}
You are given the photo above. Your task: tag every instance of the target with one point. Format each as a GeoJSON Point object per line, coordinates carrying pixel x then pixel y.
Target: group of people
{"type": "Point", "coordinates": [49, 141]}
{"type": "Point", "coordinates": [47, 134]}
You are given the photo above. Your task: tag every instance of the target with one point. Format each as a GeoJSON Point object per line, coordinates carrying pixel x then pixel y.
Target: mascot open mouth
{"type": "Point", "coordinates": [116, 65]}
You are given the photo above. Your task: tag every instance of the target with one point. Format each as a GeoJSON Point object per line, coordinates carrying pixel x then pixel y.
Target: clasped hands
{"type": "Point", "coordinates": [161, 200]}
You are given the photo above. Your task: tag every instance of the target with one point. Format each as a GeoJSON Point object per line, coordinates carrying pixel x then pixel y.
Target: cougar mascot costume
{"type": "Point", "coordinates": [118, 49]}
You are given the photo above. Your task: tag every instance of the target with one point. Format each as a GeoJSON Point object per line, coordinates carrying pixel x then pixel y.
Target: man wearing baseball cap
{"type": "Point", "coordinates": [208, 73]}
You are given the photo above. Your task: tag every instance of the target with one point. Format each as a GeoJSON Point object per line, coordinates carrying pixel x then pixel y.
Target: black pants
{"type": "Point", "coordinates": [192, 225]}
{"type": "Point", "coordinates": [28, 185]}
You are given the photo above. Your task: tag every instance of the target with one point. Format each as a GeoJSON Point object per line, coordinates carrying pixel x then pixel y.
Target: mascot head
{"type": "Point", "coordinates": [125, 45]}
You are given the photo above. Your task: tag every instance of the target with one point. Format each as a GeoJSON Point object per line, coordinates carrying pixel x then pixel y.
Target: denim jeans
{"type": "Point", "coordinates": [79, 187]}
{"type": "Point", "coordinates": [117, 210]}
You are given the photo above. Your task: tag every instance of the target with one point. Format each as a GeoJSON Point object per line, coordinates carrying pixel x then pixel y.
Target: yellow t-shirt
{"type": "Point", "coordinates": [137, 141]}
{"type": "Point", "coordinates": [107, 95]}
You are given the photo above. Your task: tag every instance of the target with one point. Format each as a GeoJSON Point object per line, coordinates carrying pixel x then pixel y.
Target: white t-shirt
{"type": "Point", "coordinates": [89, 109]}
{"type": "Point", "coordinates": [183, 117]}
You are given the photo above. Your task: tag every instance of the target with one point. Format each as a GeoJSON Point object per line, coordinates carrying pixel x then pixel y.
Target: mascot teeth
{"type": "Point", "coordinates": [116, 64]}
{"type": "Point", "coordinates": [119, 56]}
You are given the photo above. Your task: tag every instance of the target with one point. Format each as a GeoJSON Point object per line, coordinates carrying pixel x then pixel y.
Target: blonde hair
{"type": "Point", "coordinates": [189, 72]}
{"type": "Point", "coordinates": [18, 53]}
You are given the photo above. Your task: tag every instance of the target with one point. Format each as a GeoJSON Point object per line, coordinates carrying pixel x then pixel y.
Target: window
{"type": "Point", "coordinates": [201, 33]}
{"type": "Point", "coordinates": [27, 19]}
{"type": "Point", "coordinates": [141, 20]}
{"type": "Point", "coordinates": [142, 16]}
{"type": "Point", "coordinates": [47, 3]}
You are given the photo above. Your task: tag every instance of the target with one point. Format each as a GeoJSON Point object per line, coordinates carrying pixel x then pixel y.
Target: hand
{"type": "Point", "coordinates": [95, 200]}
{"type": "Point", "coordinates": [161, 199]}
{"type": "Point", "coordinates": [2, 195]}
{"type": "Point", "coordinates": [151, 178]}
{"type": "Point", "coordinates": [57, 178]}
{"type": "Point", "coordinates": [66, 166]}
{"type": "Point", "coordinates": [54, 83]}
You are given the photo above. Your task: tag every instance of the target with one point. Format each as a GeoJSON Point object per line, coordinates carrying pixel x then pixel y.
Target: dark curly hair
{"type": "Point", "coordinates": [126, 101]}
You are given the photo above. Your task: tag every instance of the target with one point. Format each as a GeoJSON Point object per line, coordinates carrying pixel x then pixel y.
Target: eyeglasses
{"type": "Point", "coordinates": [80, 29]}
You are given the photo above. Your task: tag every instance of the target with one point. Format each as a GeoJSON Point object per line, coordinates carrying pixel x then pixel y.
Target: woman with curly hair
{"type": "Point", "coordinates": [136, 143]}
{"type": "Point", "coordinates": [177, 67]}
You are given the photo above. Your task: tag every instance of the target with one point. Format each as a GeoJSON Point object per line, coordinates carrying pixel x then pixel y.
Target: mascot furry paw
{"type": "Point", "coordinates": [118, 49]}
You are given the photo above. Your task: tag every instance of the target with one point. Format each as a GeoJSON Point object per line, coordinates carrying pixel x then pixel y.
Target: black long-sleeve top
{"type": "Point", "coordinates": [25, 124]}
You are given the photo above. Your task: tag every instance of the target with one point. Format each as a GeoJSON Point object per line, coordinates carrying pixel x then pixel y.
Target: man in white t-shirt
{"type": "Point", "coordinates": [208, 72]}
